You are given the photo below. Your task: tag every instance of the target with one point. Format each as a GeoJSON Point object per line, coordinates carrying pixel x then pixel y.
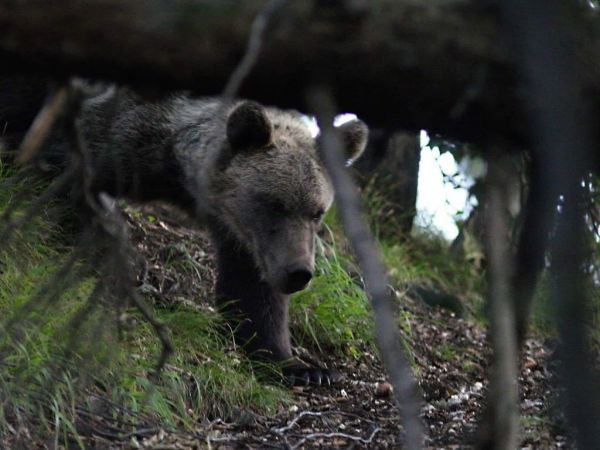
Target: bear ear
{"type": "Point", "coordinates": [354, 137]}
{"type": "Point", "coordinates": [248, 127]}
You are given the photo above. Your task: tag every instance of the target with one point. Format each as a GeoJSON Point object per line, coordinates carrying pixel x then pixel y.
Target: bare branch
{"type": "Point", "coordinates": [499, 429]}
{"type": "Point", "coordinates": [10, 225]}
{"type": "Point", "coordinates": [399, 41]}
{"type": "Point", "coordinates": [41, 126]}
{"type": "Point", "coordinates": [350, 437]}
{"type": "Point", "coordinates": [115, 226]}
{"type": "Point", "coordinates": [561, 112]}
{"type": "Point", "coordinates": [296, 419]}
{"type": "Point", "coordinates": [369, 260]}
{"type": "Point", "coordinates": [538, 214]}
{"type": "Point", "coordinates": [255, 42]}
{"type": "Point", "coordinates": [110, 222]}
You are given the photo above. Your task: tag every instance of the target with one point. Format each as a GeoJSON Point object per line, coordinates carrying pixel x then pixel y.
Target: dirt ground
{"type": "Point", "coordinates": [451, 355]}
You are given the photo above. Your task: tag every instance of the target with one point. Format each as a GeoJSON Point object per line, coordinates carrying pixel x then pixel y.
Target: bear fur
{"type": "Point", "coordinates": [251, 173]}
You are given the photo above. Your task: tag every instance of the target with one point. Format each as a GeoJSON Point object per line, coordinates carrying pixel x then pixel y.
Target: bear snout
{"type": "Point", "coordinates": [296, 278]}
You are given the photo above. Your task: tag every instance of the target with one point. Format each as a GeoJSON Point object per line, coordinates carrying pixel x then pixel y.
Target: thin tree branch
{"type": "Point", "coordinates": [253, 49]}
{"type": "Point", "coordinates": [33, 210]}
{"type": "Point", "coordinates": [499, 427]}
{"type": "Point", "coordinates": [350, 437]}
{"type": "Point", "coordinates": [112, 224]}
{"type": "Point", "coordinates": [369, 260]}
{"type": "Point", "coordinates": [560, 119]}
{"type": "Point", "coordinates": [538, 214]}
{"type": "Point", "coordinates": [41, 126]}
{"type": "Point", "coordinates": [198, 46]}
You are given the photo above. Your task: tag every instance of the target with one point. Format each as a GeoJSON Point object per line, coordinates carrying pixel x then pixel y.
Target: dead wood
{"type": "Point", "coordinates": [439, 65]}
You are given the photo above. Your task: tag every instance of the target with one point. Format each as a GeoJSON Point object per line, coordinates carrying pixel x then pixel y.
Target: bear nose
{"type": "Point", "coordinates": [297, 278]}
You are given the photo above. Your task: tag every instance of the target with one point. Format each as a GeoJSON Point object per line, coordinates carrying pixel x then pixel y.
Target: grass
{"type": "Point", "coordinates": [48, 374]}
{"type": "Point", "coordinates": [334, 314]}
{"type": "Point", "coordinates": [421, 257]}
{"type": "Point", "coordinates": [206, 377]}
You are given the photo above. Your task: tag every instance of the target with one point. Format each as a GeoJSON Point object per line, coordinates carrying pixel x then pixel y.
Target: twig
{"type": "Point", "coordinates": [350, 437]}
{"type": "Point", "coordinates": [255, 42]}
{"type": "Point", "coordinates": [113, 225]}
{"type": "Point", "coordinates": [563, 141]}
{"type": "Point", "coordinates": [281, 431]}
{"type": "Point", "coordinates": [499, 427]}
{"type": "Point", "coordinates": [24, 190]}
{"type": "Point", "coordinates": [373, 270]}
{"type": "Point", "coordinates": [231, 90]}
{"type": "Point", "coordinates": [34, 208]}
{"type": "Point", "coordinates": [538, 214]}
{"type": "Point", "coordinates": [41, 126]}
{"type": "Point", "coordinates": [293, 423]}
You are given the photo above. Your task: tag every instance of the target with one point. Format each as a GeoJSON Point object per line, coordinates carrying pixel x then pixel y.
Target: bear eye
{"type": "Point", "coordinates": [317, 216]}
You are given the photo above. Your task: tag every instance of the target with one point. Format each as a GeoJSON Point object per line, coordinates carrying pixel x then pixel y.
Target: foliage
{"type": "Point", "coordinates": [59, 352]}
{"type": "Point", "coordinates": [334, 313]}
{"type": "Point", "coordinates": [52, 376]}
{"type": "Point", "coordinates": [422, 257]}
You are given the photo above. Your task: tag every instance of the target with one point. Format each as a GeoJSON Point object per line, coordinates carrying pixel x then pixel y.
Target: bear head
{"type": "Point", "coordinates": [272, 190]}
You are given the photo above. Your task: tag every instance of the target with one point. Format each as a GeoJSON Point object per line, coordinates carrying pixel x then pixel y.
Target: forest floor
{"type": "Point", "coordinates": [450, 355]}
{"type": "Point", "coordinates": [208, 397]}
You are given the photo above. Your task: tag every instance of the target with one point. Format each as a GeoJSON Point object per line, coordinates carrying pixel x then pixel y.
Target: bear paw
{"type": "Point", "coordinates": [304, 375]}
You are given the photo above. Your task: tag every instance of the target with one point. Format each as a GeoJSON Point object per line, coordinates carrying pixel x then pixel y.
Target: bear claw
{"type": "Point", "coordinates": [311, 376]}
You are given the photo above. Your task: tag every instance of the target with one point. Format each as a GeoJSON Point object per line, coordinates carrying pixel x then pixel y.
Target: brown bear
{"type": "Point", "coordinates": [252, 173]}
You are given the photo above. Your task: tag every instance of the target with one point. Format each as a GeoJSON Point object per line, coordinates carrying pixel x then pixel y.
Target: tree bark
{"type": "Point", "coordinates": [438, 65]}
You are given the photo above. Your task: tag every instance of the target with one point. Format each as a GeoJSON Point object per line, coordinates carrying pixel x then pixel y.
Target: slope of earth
{"type": "Point", "coordinates": [450, 356]}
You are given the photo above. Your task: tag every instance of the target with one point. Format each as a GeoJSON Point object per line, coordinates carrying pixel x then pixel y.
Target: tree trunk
{"type": "Point", "coordinates": [438, 65]}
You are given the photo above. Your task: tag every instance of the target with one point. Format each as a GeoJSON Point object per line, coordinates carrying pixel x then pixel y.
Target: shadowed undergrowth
{"type": "Point", "coordinates": [79, 363]}
{"type": "Point", "coordinates": [64, 344]}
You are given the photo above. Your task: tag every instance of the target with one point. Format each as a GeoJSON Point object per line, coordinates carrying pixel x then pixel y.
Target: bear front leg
{"type": "Point", "coordinates": [259, 316]}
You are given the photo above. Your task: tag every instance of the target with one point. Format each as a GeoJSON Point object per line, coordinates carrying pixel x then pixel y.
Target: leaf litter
{"type": "Point", "coordinates": [450, 356]}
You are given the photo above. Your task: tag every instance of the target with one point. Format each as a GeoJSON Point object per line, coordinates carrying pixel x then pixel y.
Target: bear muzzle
{"type": "Point", "coordinates": [296, 278]}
